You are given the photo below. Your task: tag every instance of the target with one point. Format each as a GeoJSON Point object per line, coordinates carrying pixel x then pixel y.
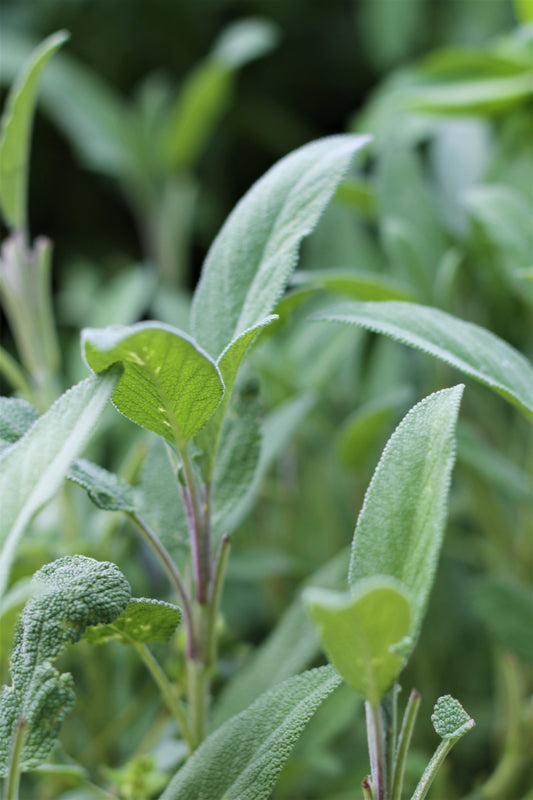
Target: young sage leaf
{"type": "Point", "coordinates": [16, 132]}
{"type": "Point", "coordinates": [243, 758]}
{"type": "Point", "coordinates": [32, 469]}
{"type": "Point", "coordinates": [364, 632]}
{"type": "Point", "coordinates": [401, 525]}
{"type": "Point", "coordinates": [466, 346]}
{"type": "Point", "coordinates": [71, 593]}
{"type": "Point", "coordinates": [143, 620]}
{"type": "Point", "coordinates": [449, 718]}
{"type": "Point", "coordinates": [168, 385]}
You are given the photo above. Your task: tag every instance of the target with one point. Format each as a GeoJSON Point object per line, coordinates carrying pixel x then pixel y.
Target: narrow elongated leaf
{"type": "Point", "coordinates": [401, 525]}
{"type": "Point", "coordinates": [468, 347]}
{"type": "Point", "coordinates": [242, 759]}
{"type": "Point", "coordinates": [168, 385]}
{"type": "Point", "coordinates": [357, 285]}
{"type": "Point", "coordinates": [481, 96]}
{"type": "Point", "coordinates": [252, 257]}
{"type": "Point", "coordinates": [364, 632]}
{"type": "Point", "coordinates": [16, 131]}
{"type": "Point", "coordinates": [32, 469]}
{"type": "Point", "coordinates": [143, 620]}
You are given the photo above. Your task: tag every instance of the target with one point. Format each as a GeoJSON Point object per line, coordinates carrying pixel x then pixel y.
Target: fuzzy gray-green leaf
{"type": "Point", "coordinates": [242, 759]}
{"type": "Point", "coordinates": [473, 350]}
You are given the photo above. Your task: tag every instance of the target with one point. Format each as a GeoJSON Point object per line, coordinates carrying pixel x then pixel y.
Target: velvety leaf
{"type": "Point", "coordinates": [168, 385]}
{"type": "Point", "coordinates": [16, 416]}
{"type": "Point", "coordinates": [401, 525]}
{"type": "Point", "coordinates": [466, 346]}
{"type": "Point", "coordinates": [141, 621]}
{"type": "Point", "coordinates": [106, 490]}
{"type": "Point", "coordinates": [364, 632]}
{"type": "Point", "coordinates": [252, 257]}
{"type": "Point", "coordinates": [32, 469]}
{"type": "Point", "coordinates": [243, 758]}
{"type": "Point", "coordinates": [16, 132]}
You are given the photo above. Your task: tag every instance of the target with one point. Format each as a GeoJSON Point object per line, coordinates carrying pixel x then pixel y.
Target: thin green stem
{"type": "Point", "coordinates": [368, 794]}
{"type": "Point", "coordinates": [376, 750]}
{"type": "Point", "coordinates": [216, 595]}
{"type": "Point", "coordinates": [404, 741]}
{"type": "Point", "coordinates": [433, 767]}
{"type": "Point", "coordinates": [173, 575]}
{"type": "Point", "coordinates": [167, 692]}
{"type": "Point", "coordinates": [13, 773]}
{"type": "Point", "coordinates": [14, 374]}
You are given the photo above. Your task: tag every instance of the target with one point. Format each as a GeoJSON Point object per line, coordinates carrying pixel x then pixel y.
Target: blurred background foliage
{"type": "Point", "coordinates": [153, 121]}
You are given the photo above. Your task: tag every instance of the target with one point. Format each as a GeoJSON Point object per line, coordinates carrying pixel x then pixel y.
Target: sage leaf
{"type": "Point", "coordinates": [466, 346]}
{"type": "Point", "coordinates": [105, 489]}
{"type": "Point", "coordinates": [401, 525]}
{"type": "Point", "coordinates": [16, 417]}
{"type": "Point", "coordinates": [243, 758]}
{"type": "Point", "coordinates": [16, 132]}
{"type": "Point", "coordinates": [357, 285]}
{"type": "Point", "coordinates": [364, 632]}
{"type": "Point", "coordinates": [32, 469]}
{"type": "Point", "coordinates": [449, 718]}
{"type": "Point", "coordinates": [168, 384]}
{"type": "Point", "coordinates": [143, 620]}
{"type": "Point", "coordinates": [250, 261]}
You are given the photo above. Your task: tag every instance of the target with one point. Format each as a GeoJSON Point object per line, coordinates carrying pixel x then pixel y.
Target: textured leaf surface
{"type": "Point", "coordinates": [467, 347]}
{"type": "Point", "coordinates": [16, 416]}
{"type": "Point", "coordinates": [252, 257]}
{"type": "Point", "coordinates": [106, 490]}
{"type": "Point", "coordinates": [360, 630]}
{"type": "Point", "coordinates": [168, 385]}
{"type": "Point", "coordinates": [449, 718]}
{"type": "Point", "coordinates": [16, 132]}
{"type": "Point", "coordinates": [71, 593]}
{"type": "Point", "coordinates": [401, 525]}
{"type": "Point", "coordinates": [143, 620]}
{"type": "Point", "coordinates": [32, 469]}
{"type": "Point", "coordinates": [242, 759]}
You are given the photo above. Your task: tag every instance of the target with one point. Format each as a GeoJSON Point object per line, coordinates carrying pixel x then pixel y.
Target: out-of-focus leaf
{"type": "Point", "coordinates": [467, 347]}
{"type": "Point", "coordinates": [243, 758]}
{"type": "Point", "coordinates": [141, 621]}
{"type": "Point", "coordinates": [364, 632]}
{"type": "Point", "coordinates": [389, 29]}
{"type": "Point", "coordinates": [400, 528]}
{"type": "Point", "coordinates": [506, 608]}
{"type": "Point", "coordinates": [358, 285]}
{"type": "Point", "coordinates": [483, 96]}
{"type": "Point", "coordinates": [168, 385]}
{"type": "Point", "coordinates": [32, 469]}
{"type": "Point", "coordinates": [16, 132]}
{"type": "Point", "coordinates": [523, 10]}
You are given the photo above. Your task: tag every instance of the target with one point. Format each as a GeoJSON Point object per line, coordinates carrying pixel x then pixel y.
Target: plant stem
{"type": "Point", "coordinates": [404, 741]}
{"type": "Point", "coordinates": [173, 575]}
{"type": "Point", "coordinates": [13, 774]}
{"type": "Point", "coordinates": [368, 794]}
{"type": "Point", "coordinates": [14, 374]}
{"type": "Point", "coordinates": [216, 594]}
{"type": "Point", "coordinates": [167, 691]}
{"type": "Point", "coordinates": [199, 527]}
{"type": "Point", "coordinates": [376, 750]}
{"type": "Point", "coordinates": [434, 765]}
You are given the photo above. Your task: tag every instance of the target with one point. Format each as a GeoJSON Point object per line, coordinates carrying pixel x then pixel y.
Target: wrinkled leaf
{"type": "Point", "coordinates": [32, 469]}
{"type": "Point", "coordinates": [364, 632]}
{"type": "Point", "coordinates": [466, 346]}
{"type": "Point", "coordinates": [252, 257]}
{"type": "Point", "coordinates": [242, 759]}
{"type": "Point", "coordinates": [142, 621]}
{"type": "Point", "coordinates": [168, 385]}
{"type": "Point", "coordinates": [16, 132]}
{"type": "Point", "coordinates": [401, 525]}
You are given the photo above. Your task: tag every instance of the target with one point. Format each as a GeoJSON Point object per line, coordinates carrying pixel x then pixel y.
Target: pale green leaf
{"type": "Point", "coordinates": [356, 285]}
{"type": "Point", "coordinates": [466, 346]}
{"type": "Point", "coordinates": [251, 259]}
{"type": "Point", "coordinates": [106, 490]}
{"type": "Point", "coordinates": [245, 40]}
{"type": "Point", "coordinates": [32, 469]}
{"type": "Point", "coordinates": [243, 758]}
{"type": "Point", "coordinates": [364, 632]}
{"type": "Point", "coordinates": [168, 385]}
{"type": "Point", "coordinates": [16, 132]}
{"type": "Point", "coordinates": [142, 621]}
{"type": "Point", "coordinates": [16, 416]}
{"type": "Point", "coordinates": [476, 96]}
{"type": "Point", "coordinates": [401, 525]}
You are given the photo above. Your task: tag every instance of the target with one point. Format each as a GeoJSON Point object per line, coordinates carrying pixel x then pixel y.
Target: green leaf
{"type": "Point", "coordinates": [467, 347]}
{"type": "Point", "coordinates": [506, 608]}
{"type": "Point", "coordinates": [32, 470]}
{"type": "Point", "coordinates": [357, 285]}
{"type": "Point", "coordinates": [243, 758]}
{"type": "Point", "coordinates": [71, 593]}
{"type": "Point", "coordinates": [141, 621]}
{"type": "Point", "coordinates": [523, 11]}
{"type": "Point", "coordinates": [401, 525]}
{"type": "Point", "coordinates": [364, 632]}
{"type": "Point", "coordinates": [251, 259]}
{"type": "Point", "coordinates": [16, 132]}
{"type": "Point", "coordinates": [106, 490]}
{"type": "Point", "coordinates": [168, 385]}
{"type": "Point", "coordinates": [476, 96]}
{"type": "Point", "coordinates": [16, 416]}
{"type": "Point", "coordinates": [449, 718]}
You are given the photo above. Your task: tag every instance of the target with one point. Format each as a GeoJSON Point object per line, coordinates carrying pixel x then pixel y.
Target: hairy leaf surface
{"type": "Point", "coordinates": [143, 620]}
{"type": "Point", "coordinates": [242, 759]}
{"type": "Point", "coordinates": [467, 347]}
